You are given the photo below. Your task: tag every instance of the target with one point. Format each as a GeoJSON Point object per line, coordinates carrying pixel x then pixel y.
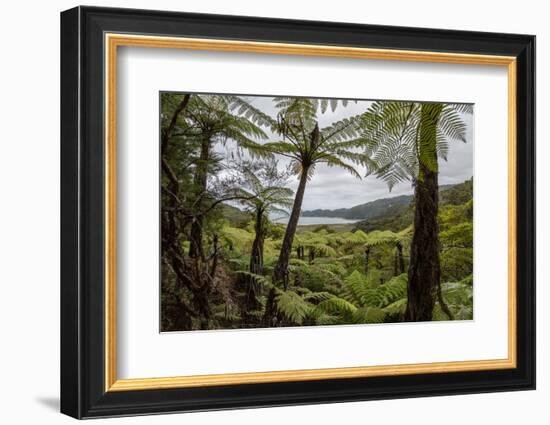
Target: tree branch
{"type": "Point", "coordinates": [170, 129]}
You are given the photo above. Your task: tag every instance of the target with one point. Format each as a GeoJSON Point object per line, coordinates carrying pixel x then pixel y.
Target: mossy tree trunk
{"type": "Point", "coordinates": [280, 274]}
{"type": "Point", "coordinates": [424, 267]}
{"type": "Point", "coordinates": [311, 255]}
{"type": "Point", "coordinates": [256, 261]}
{"type": "Point", "coordinates": [399, 260]}
{"type": "Point", "coordinates": [367, 255]}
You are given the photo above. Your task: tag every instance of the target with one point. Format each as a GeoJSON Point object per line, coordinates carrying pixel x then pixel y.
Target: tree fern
{"type": "Point", "coordinates": [315, 242]}
{"type": "Point", "coordinates": [391, 291]}
{"type": "Point", "coordinates": [338, 307]}
{"type": "Point", "coordinates": [457, 293]}
{"type": "Point", "coordinates": [306, 144]}
{"type": "Point", "coordinates": [368, 315]}
{"type": "Point", "coordinates": [396, 137]}
{"type": "Point", "coordinates": [226, 312]}
{"type": "Point", "coordinates": [458, 236]}
{"type": "Point", "coordinates": [259, 279]}
{"type": "Point", "coordinates": [397, 307]}
{"type": "Point", "coordinates": [459, 298]}
{"type": "Point", "coordinates": [317, 316]}
{"type": "Point", "coordinates": [293, 307]}
{"type": "Point", "coordinates": [314, 277]}
{"type": "Point", "coordinates": [355, 288]}
{"type": "Point", "coordinates": [318, 297]}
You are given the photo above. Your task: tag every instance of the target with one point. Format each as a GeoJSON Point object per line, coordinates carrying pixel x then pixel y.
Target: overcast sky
{"type": "Point", "coordinates": [332, 188]}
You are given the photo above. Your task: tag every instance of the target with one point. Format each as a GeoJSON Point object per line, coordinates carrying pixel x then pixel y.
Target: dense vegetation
{"type": "Point", "coordinates": [225, 264]}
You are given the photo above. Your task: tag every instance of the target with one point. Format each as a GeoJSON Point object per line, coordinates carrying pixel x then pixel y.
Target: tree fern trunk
{"type": "Point", "coordinates": [367, 254]}
{"type": "Point", "coordinates": [311, 255]}
{"type": "Point", "coordinates": [270, 318]}
{"type": "Point", "coordinates": [400, 260]}
{"type": "Point", "coordinates": [424, 267]}
{"type": "Point", "coordinates": [280, 273]}
{"type": "Point", "coordinates": [200, 181]}
{"type": "Point", "coordinates": [256, 261]}
{"type": "Point", "coordinates": [257, 254]}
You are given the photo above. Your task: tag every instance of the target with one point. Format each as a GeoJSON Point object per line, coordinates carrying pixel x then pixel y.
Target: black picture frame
{"type": "Point", "coordinates": [83, 392]}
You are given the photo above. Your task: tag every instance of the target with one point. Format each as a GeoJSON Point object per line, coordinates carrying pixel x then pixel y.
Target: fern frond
{"type": "Point", "coordinates": [464, 108]}
{"type": "Point", "coordinates": [369, 315]}
{"type": "Point", "coordinates": [355, 288]}
{"type": "Point", "coordinates": [317, 297]}
{"type": "Point", "coordinates": [292, 306]}
{"type": "Point", "coordinates": [339, 307]}
{"type": "Point", "coordinates": [263, 281]}
{"type": "Point", "coordinates": [397, 307]}
{"type": "Point", "coordinates": [244, 108]}
{"type": "Point", "coordinates": [335, 161]}
{"type": "Point", "coordinates": [398, 136]}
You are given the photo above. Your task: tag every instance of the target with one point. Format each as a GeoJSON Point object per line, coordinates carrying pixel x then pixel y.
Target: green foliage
{"type": "Point", "coordinates": [259, 279]}
{"type": "Point", "coordinates": [459, 299]}
{"type": "Point", "coordinates": [387, 293]}
{"type": "Point", "coordinates": [397, 307]}
{"type": "Point", "coordinates": [317, 277]}
{"type": "Point", "coordinates": [226, 313]}
{"type": "Point", "coordinates": [391, 291]}
{"type": "Point", "coordinates": [317, 297]}
{"type": "Point", "coordinates": [387, 237]}
{"type": "Point", "coordinates": [338, 307]}
{"type": "Point", "coordinates": [458, 194]}
{"type": "Point", "coordinates": [316, 242]}
{"type": "Point", "coordinates": [452, 215]}
{"type": "Point", "coordinates": [457, 293]}
{"type": "Point", "coordinates": [400, 215]}
{"type": "Point", "coordinates": [456, 263]}
{"type": "Point", "coordinates": [457, 253]}
{"type": "Point", "coordinates": [369, 315]}
{"type": "Point", "coordinates": [238, 240]}
{"type": "Point", "coordinates": [234, 216]}
{"type": "Point", "coordinates": [458, 236]}
{"type": "Point", "coordinates": [293, 306]}
{"type": "Point", "coordinates": [365, 292]}
{"type": "Point", "coordinates": [338, 275]}
{"type": "Point", "coordinates": [275, 231]}
{"type": "Point", "coordinates": [356, 287]}
{"type": "Point", "coordinates": [324, 228]}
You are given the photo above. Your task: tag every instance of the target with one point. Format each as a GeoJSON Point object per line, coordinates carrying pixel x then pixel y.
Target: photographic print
{"type": "Point", "coordinates": [297, 211]}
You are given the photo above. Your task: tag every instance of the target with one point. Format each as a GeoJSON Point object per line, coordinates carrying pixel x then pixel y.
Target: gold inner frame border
{"type": "Point", "coordinates": [111, 43]}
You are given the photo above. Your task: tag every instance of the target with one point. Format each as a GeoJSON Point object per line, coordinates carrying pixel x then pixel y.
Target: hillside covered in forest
{"type": "Point", "coordinates": [384, 206]}
{"type": "Point", "coordinates": [394, 220]}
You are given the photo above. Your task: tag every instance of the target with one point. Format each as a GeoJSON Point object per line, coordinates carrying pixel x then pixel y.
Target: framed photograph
{"type": "Point", "coordinates": [261, 212]}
